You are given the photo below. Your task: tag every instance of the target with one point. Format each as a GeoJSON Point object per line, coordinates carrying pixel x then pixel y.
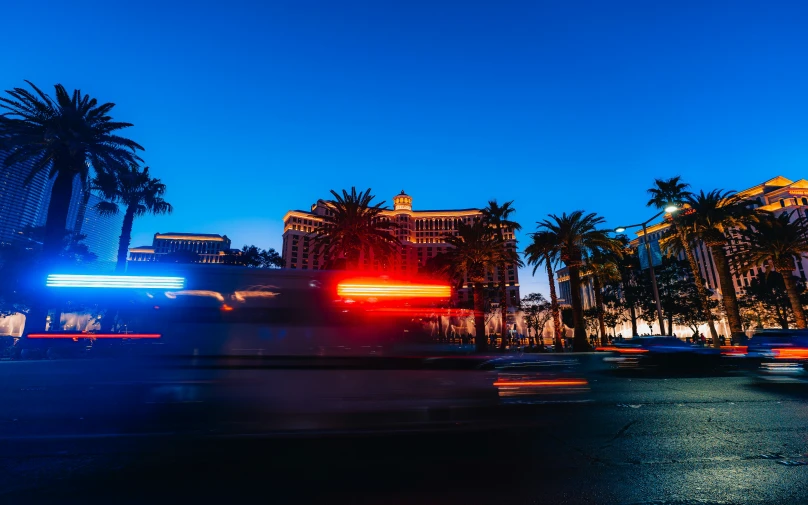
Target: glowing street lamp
{"type": "Point", "coordinates": [620, 229]}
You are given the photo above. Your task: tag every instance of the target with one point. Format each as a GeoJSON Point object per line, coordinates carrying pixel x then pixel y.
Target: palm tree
{"type": "Point", "coordinates": [601, 267]}
{"type": "Point", "coordinates": [544, 251]}
{"type": "Point", "coordinates": [575, 236]}
{"type": "Point", "coordinates": [355, 230]}
{"type": "Point", "coordinates": [778, 241]}
{"type": "Point", "coordinates": [497, 216]}
{"type": "Point", "coordinates": [475, 251]}
{"type": "Point", "coordinates": [138, 193]}
{"type": "Point", "coordinates": [63, 136]}
{"type": "Point", "coordinates": [674, 192]}
{"type": "Point", "coordinates": [715, 214]}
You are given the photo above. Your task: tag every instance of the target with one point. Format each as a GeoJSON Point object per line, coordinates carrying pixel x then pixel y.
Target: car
{"type": "Point", "coordinates": [779, 355]}
{"type": "Point", "coordinates": [661, 352]}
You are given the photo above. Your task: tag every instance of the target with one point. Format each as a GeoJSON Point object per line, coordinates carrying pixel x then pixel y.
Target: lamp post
{"type": "Point", "coordinates": [620, 229]}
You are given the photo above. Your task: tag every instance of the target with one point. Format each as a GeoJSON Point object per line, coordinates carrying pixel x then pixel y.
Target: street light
{"type": "Point", "coordinates": [620, 229]}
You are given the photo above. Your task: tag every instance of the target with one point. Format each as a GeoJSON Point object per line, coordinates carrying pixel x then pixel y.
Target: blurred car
{"type": "Point", "coordinates": [779, 355]}
{"type": "Point", "coordinates": [661, 352]}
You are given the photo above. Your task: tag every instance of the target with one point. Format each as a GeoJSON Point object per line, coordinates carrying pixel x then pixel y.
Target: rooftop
{"type": "Point", "coordinates": [191, 236]}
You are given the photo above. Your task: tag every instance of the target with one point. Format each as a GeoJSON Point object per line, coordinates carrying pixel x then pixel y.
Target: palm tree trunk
{"type": "Point", "coordinates": [125, 239]}
{"type": "Point", "coordinates": [694, 266]}
{"type": "Point", "coordinates": [670, 322]}
{"type": "Point", "coordinates": [579, 341]}
{"type": "Point", "coordinates": [782, 316]}
{"type": "Point", "coordinates": [503, 302]}
{"type": "Point", "coordinates": [558, 345]}
{"type": "Point", "coordinates": [56, 223]}
{"type": "Point", "coordinates": [480, 343]}
{"type": "Point", "coordinates": [52, 246]}
{"type": "Point", "coordinates": [599, 304]}
{"type": "Point", "coordinates": [794, 298]}
{"type": "Point", "coordinates": [727, 291]}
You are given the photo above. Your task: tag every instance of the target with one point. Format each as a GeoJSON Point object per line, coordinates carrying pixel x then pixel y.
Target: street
{"type": "Point", "coordinates": [630, 439]}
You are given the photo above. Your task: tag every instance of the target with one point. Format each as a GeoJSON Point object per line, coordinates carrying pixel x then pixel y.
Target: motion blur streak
{"type": "Point", "coordinates": [113, 281]}
{"type": "Point", "coordinates": [195, 292]}
{"type": "Point", "coordinates": [243, 295]}
{"type": "Point", "coordinates": [791, 353]}
{"type": "Point", "coordinates": [415, 311]}
{"type": "Point", "coordinates": [545, 383]}
{"type": "Point", "coordinates": [94, 335]}
{"type": "Point", "coordinates": [632, 351]}
{"type": "Point", "coordinates": [734, 350]}
{"type": "Point", "coordinates": [372, 290]}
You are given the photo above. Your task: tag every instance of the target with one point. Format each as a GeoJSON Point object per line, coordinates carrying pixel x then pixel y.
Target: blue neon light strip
{"type": "Point", "coordinates": [114, 281]}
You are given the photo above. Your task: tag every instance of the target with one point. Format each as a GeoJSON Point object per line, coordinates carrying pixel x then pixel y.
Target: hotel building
{"type": "Point", "coordinates": [210, 248]}
{"type": "Point", "coordinates": [775, 195]}
{"type": "Point", "coordinates": [421, 233]}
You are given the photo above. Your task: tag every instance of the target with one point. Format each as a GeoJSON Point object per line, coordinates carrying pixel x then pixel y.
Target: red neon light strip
{"type": "Point", "coordinates": [94, 335]}
{"type": "Point", "coordinates": [393, 290]}
{"type": "Point", "coordinates": [573, 382]}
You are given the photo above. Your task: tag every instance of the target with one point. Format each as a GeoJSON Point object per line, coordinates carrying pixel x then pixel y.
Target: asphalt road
{"type": "Point", "coordinates": [721, 438]}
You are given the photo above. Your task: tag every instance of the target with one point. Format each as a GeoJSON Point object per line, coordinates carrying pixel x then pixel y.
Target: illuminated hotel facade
{"type": "Point", "coordinates": [211, 248]}
{"type": "Point", "coordinates": [421, 233]}
{"type": "Point", "coordinates": [776, 195]}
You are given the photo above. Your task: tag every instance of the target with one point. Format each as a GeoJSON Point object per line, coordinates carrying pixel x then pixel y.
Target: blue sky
{"type": "Point", "coordinates": [248, 109]}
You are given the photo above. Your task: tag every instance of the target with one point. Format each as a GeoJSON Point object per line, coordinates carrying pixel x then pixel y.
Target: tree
{"type": "Point", "coordinates": [139, 194]}
{"type": "Point", "coordinates": [766, 303]}
{"type": "Point", "coordinates": [537, 312]}
{"type": "Point", "coordinates": [632, 285]}
{"type": "Point", "coordinates": [777, 241]}
{"type": "Point", "coordinates": [601, 268]}
{"type": "Point", "coordinates": [253, 257]}
{"type": "Point", "coordinates": [270, 258]}
{"type": "Point", "coordinates": [474, 252]}
{"type": "Point", "coordinates": [498, 217]}
{"type": "Point", "coordinates": [714, 215]}
{"type": "Point", "coordinates": [614, 314]}
{"type": "Point", "coordinates": [687, 313]}
{"type": "Point", "coordinates": [543, 250]}
{"type": "Point", "coordinates": [575, 236]}
{"type": "Point", "coordinates": [592, 321]}
{"type": "Point", "coordinates": [676, 293]}
{"type": "Point", "coordinates": [355, 230]}
{"type": "Point", "coordinates": [673, 191]}
{"type": "Point", "coordinates": [62, 136]}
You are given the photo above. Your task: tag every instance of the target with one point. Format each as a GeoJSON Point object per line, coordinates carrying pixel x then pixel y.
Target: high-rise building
{"type": "Point", "coordinates": [24, 206]}
{"type": "Point", "coordinates": [421, 233]}
{"type": "Point", "coordinates": [210, 248]}
{"type": "Point", "coordinates": [21, 204]}
{"type": "Point", "coordinates": [102, 233]}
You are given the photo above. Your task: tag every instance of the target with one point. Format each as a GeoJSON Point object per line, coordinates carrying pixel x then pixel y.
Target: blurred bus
{"type": "Point", "coordinates": [227, 310]}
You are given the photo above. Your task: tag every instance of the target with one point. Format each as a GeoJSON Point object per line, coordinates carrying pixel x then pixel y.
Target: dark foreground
{"type": "Point", "coordinates": [709, 438]}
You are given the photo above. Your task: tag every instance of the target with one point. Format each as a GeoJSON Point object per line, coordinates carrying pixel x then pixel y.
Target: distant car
{"type": "Point", "coordinates": [661, 352]}
{"type": "Point", "coordinates": [781, 355]}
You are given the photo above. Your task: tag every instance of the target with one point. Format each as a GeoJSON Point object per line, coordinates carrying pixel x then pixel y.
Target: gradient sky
{"type": "Point", "coordinates": [248, 109]}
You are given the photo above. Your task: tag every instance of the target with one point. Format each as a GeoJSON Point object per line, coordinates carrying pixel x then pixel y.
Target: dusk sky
{"type": "Point", "coordinates": [249, 109]}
